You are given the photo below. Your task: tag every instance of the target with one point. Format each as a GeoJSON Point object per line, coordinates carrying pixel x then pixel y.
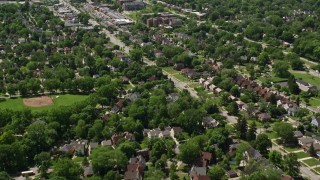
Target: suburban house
{"type": "Point", "coordinates": [231, 174]}
{"type": "Point", "coordinates": [315, 121]}
{"type": "Point", "coordinates": [197, 173]}
{"type": "Point", "coordinates": [92, 145]}
{"type": "Point", "coordinates": [252, 154]}
{"type": "Point", "coordinates": [298, 134]}
{"type": "Point", "coordinates": [175, 130]}
{"type": "Point", "coordinates": [106, 143]}
{"type": "Point", "coordinates": [208, 122]}
{"type": "Point", "coordinates": [87, 171]}
{"type": "Point", "coordinates": [264, 117]}
{"type": "Point", "coordinates": [304, 141]}
{"type": "Point", "coordinates": [304, 86]}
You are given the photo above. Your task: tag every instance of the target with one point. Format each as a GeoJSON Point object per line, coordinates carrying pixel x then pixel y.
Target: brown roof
{"type": "Point", "coordinates": [206, 156]}
{"type": "Point", "coordinates": [201, 177]}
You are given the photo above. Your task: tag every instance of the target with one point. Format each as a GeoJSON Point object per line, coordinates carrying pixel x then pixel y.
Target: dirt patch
{"type": "Point", "coordinates": [38, 101]}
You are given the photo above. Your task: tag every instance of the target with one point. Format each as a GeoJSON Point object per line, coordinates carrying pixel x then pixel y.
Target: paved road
{"type": "Point", "coordinates": [305, 171]}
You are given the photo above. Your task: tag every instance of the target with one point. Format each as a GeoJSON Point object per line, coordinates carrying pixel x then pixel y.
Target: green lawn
{"type": "Point", "coordinates": [312, 162]}
{"type": "Point", "coordinates": [314, 101]}
{"type": "Point", "coordinates": [273, 79]}
{"type": "Point", "coordinates": [317, 169]}
{"type": "Point", "coordinates": [306, 77]}
{"type": "Point", "coordinates": [59, 100]}
{"type": "Point", "coordinates": [180, 77]}
{"type": "Point", "coordinates": [78, 159]}
{"type": "Point", "coordinates": [291, 149]}
{"type": "Point", "coordinates": [194, 85]}
{"type": "Point", "coordinates": [302, 155]}
{"type": "Point", "coordinates": [170, 70]}
{"type": "Point", "coordinates": [271, 135]}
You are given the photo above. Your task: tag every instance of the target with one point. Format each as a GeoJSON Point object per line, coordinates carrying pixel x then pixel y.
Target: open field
{"type": "Point", "coordinates": [58, 100]}
{"type": "Point", "coordinates": [306, 77]}
{"type": "Point", "coordinates": [38, 101]}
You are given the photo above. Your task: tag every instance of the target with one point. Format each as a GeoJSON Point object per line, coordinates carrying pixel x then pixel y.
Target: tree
{"type": "Point", "coordinates": [5, 176]}
{"type": "Point", "coordinates": [280, 69]}
{"type": "Point", "coordinates": [191, 120]}
{"type": "Point", "coordinates": [312, 151]}
{"type": "Point", "coordinates": [42, 161]}
{"type": "Point", "coordinates": [68, 169]}
{"type": "Point", "coordinates": [233, 108]}
{"type": "Point", "coordinates": [276, 158]}
{"type": "Point", "coordinates": [235, 91]}
{"type": "Point", "coordinates": [292, 85]}
{"type": "Point", "coordinates": [105, 159]}
{"type": "Point", "coordinates": [262, 144]}
{"type": "Point", "coordinates": [291, 164]}
{"type": "Point", "coordinates": [294, 60]}
{"type": "Point", "coordinates": [251, 134]}
{"type": "Point", "coordinates": [172, 172]}
{"type": "Point", "coordinates": [112, 175]}
{"type": "Point", "coordinates": [136, 55]}
{"type": "Point", "coordinates": [189, 152]}
{"type": "Point", "coordinates": [285, 131]}
{"type": "Point", "coordinates": [242, 128]}
{"type": "Point", "coordinates": [216, 172]}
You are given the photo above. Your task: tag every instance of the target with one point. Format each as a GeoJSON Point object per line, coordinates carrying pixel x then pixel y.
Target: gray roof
{"type": "Point", "coordinates": [106, 143]}
{"type": "Point", "coordinates": [199, 170]}
{"type": "Point", "coordinates": [306, 140]}
{"type": "Point", "coordinates": [298, 133]}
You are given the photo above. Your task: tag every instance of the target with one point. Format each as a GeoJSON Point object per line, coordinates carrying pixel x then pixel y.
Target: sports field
{"type": "Point", "coordinates": [42, 103]}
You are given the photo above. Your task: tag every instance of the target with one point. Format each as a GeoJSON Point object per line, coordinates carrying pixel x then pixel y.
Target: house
{"type": "Point", "coordinates": [212, 87]}
{"type": "Point", "coordinates": [133, 6]}
{"type": "Point", "coordinates": [87, 171]}
{"type": "Point", "coordinates": [92, 145]}
{"type": "Point", "coordinates": [79, 149]}
{"type": "Point", "coordinates": [206, 158]}
{"type": "Point", "coordinates": [303, 86]}
{"type": "Point", "coordinates": [132, 175]}
{"type": "Point", "coordinates": [173, 96]}
{"type": "Point", "coordinates": [206, 84]}
{"type": "Point", "coordinates": [264, 117]}
{"type": "Point", "coordinates": [208, 122]}
{"type": "Point", "coordinates": [252, 153]}
{"type": "Point", "coordinates": [178, 66]}
{"type": "Point", "coordinates": [286, 177]}
{"type": "Point", "coordinates": [217, 90]}
{"type": "Point", "coordinates": [164, 134]}
{"type": "Point", "coordinates": [304, 141]}
{"type": "Point", "coordinates": [115, 138]}
{"type": "Point", "coordinates": [175, 130]}
{"type": "Point", "coordinates": [291, 108]}
{"type": "Point", "coordinates": [316, 139]}
{"type": "Point", "coordinates": [145, 153]}
{"type": "Point", "coordinates": [106, 142]}
{"type": "Point", "coordinates": [197, 171]}
{"type": "Point", "coordinates": [154, 133]}
{"type": "Point", "coordinates": [298, 134]}
{"type": "Point", "coordinates": [315, 121]}
{"type": "Point", "coordinates": [125, 80]}
{"type": "Point", "coordinates": [138, 160]}
{"type": "Point", "coordinates": [231, 174]}
{"type": "Point", "coordinates": [134, 96]}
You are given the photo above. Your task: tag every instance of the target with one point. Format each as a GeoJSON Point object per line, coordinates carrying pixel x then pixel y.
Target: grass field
{"type": "Point", "coordinates": [62, 100]}
{"type": "Point", "coordinates": [170, 70]}
{"type": "Point", "coordinates": [291, 149]}
{"type": "Point", "coordinates": [302, 155]}
{"type": "Point", "coordinates": [312, 162]}
{"type": "Point", "coordinates": [271, 135]}
{"type": "Point", "coordinates": [317, 169]}
{"type": "Point", "coordinates": [306, 77]}
{"type": "Point", "coordinates": [314, 101]}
